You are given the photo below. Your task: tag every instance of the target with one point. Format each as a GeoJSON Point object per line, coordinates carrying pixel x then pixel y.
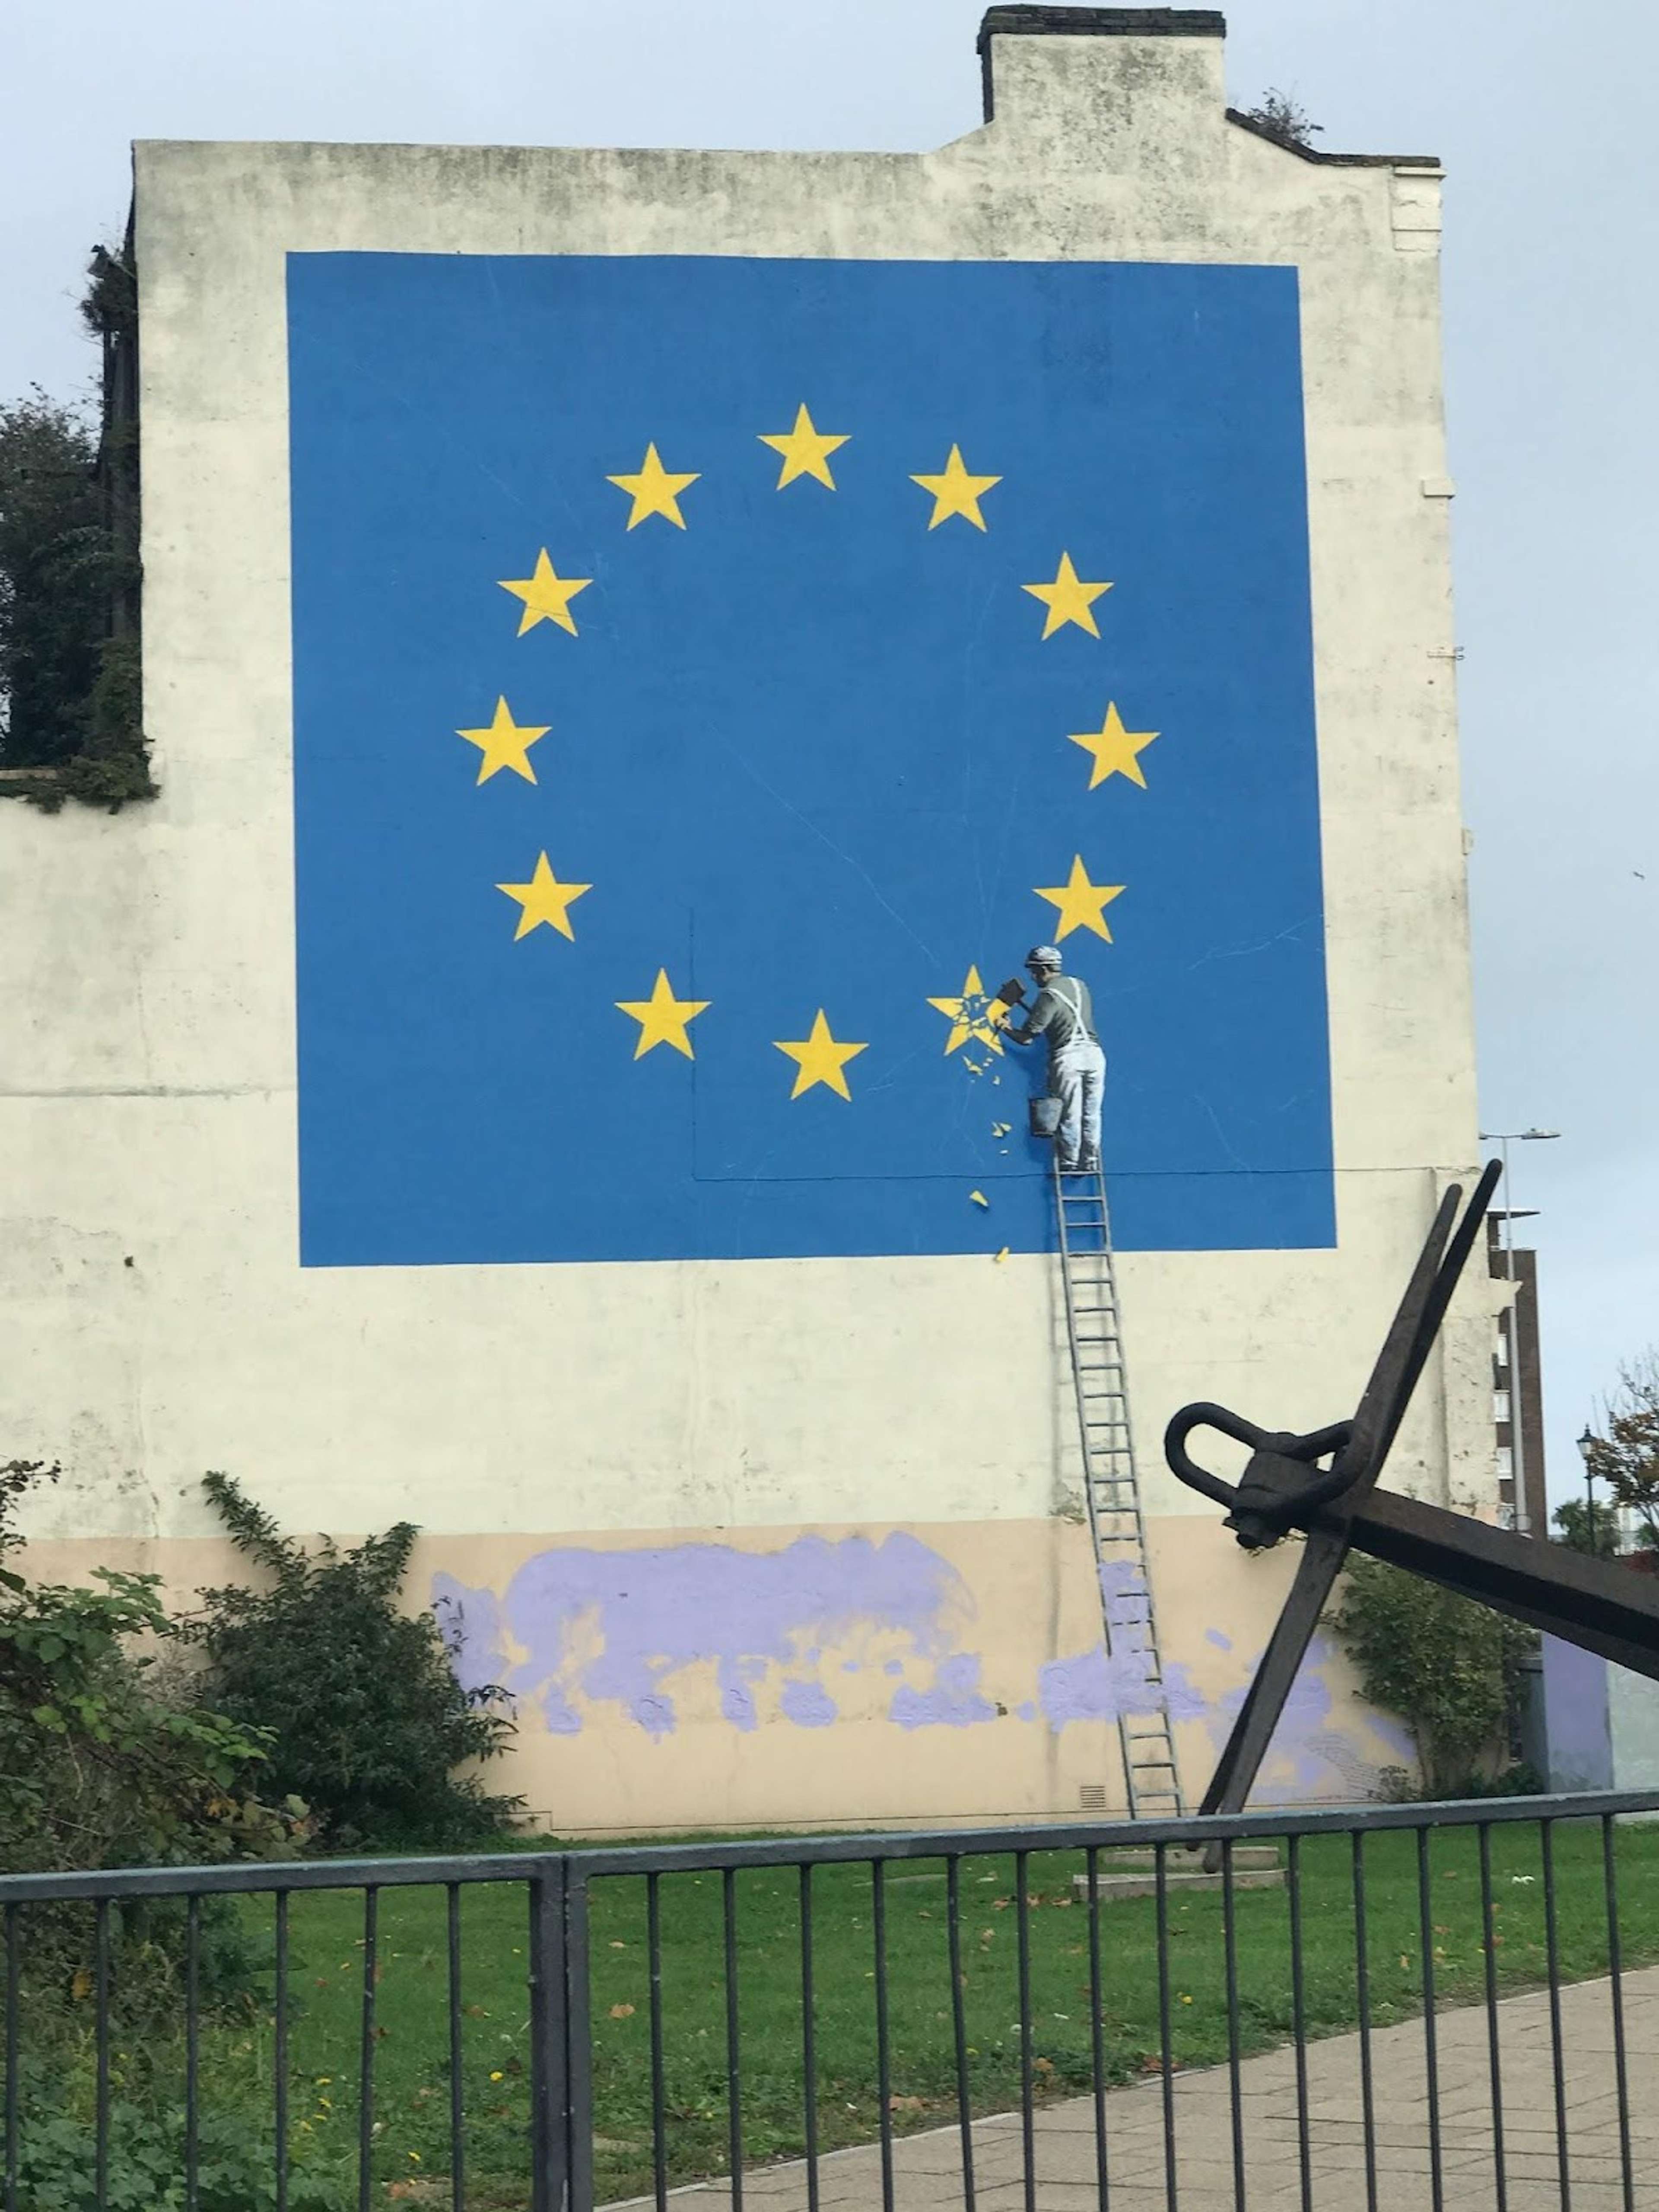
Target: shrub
{"type": "Point", "coordinates": [103, 1760]}
{"type": "Point", "coordinates": [365, 1719]}
{"type": "Point", "coordinates": [1449, 1667]}
{"type": "Point", "coordinates": [58, 2160]}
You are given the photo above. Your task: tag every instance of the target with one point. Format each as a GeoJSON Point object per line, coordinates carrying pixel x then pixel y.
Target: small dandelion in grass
{"type": "Point", "coordinates": [496, 2076]}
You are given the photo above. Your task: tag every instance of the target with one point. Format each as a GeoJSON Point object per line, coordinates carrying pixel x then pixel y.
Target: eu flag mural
{"type": "Point", "coordinates": [712, 676]}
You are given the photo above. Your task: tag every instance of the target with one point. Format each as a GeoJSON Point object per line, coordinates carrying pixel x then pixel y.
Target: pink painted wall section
{"type": "Point", "coordinates": [827, 1676]}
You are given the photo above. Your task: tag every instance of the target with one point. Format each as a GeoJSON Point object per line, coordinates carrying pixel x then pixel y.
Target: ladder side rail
{"type": "Point", "coordinates": [1153, 1647]}
{"type": "Point", "coordinates": [1077, 1376]}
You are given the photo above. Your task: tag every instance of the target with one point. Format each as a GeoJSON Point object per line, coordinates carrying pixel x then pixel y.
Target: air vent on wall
{"type": "Point", "coordinates": [1091, 1797]}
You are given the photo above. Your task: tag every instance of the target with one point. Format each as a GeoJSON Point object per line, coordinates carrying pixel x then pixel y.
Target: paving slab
{"type": "Point", "coordinates": [928, 2172]}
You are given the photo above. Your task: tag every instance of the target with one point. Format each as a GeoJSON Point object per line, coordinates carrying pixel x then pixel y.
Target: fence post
{"type": "Point", "coordinates": [550, 2050]}
{"type": "Point", "coordinates": [579, 2039]}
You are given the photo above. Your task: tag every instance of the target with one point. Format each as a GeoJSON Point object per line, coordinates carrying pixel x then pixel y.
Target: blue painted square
{"type": "Point", "coordinates": [807, 751]}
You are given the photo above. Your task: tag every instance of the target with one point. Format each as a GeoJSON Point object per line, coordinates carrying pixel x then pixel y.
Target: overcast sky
{"type": "Point", "coordinates": [1543, 114]}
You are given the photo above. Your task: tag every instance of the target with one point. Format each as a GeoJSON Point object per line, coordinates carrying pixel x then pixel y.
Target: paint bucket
{"type": "Point", "coordinates": [1045, 1117]}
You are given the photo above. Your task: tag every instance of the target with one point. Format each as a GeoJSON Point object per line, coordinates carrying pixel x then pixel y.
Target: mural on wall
{"type": "Point", "coordinates": [710, 676]}
{"type": "Point", "coordinates": [655, 1640]}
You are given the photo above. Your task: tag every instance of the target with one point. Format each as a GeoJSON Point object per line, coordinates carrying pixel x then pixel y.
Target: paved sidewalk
{"type": "Point", "coordinates": [928, 2168]}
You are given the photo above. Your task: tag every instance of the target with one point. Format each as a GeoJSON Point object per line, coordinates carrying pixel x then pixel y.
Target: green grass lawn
{"type": "Point", "coordinates": [411, 2041]}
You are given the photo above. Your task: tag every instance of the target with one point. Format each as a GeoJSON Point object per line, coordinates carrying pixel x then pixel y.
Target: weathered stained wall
{"type": "Point", "coordinates": [538, 1421]}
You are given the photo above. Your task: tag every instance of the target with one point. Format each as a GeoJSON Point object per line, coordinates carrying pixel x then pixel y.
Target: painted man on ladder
{"type": "Point", "coordinates": [1063, 1014]}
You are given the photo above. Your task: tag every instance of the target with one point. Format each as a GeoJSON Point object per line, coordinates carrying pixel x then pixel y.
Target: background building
{"type": "Point", "coordinates": [636, 644]}
{"type": "Point", "coordinates": [1518, 1387]}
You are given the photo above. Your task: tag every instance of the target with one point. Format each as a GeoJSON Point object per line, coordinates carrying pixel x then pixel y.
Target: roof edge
{"type": "Point", "coordinates": [1335, 161]}
{"type": "Point", "coordinates": [1030, 21]}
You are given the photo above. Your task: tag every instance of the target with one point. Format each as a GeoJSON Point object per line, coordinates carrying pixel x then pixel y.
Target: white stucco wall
{"type": "Point", "coordinates": [156, 1320]}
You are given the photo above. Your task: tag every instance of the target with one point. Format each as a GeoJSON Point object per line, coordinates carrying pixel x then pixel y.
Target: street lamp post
{"type": "Point", "coordinates": [1503, 1139]}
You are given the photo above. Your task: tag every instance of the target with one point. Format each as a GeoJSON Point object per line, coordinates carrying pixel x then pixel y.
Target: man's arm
{"type": "Point", "coordinates": [1036, 1021]}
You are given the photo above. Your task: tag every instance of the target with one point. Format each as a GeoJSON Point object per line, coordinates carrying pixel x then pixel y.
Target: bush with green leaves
{"type": "Point", "coordinates": [365, 1718]}
{"type": "Point", "coordinates": [108, 1758]}
{"type": "Point", "coordinates": [1449, 1667]}
{"type": "Point", "coordinates": [57, 2157]}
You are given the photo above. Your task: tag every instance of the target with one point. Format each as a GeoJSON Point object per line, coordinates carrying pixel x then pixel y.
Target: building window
{"type": "Point", "coordinates": [1500, 1406]}
{"type": "Point", "coordinates": [1505, 1463]}
{"type": "Point", "coordinates": [1502, 1355]}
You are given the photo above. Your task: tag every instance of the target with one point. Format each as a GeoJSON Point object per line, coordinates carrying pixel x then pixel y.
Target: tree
{"type": "Point", "coordinates": [55, 575]}
{"type": "Point", "coordinates": [1449, 1667]}
{"type": "Point", "coordinates": [1582, 1531]}
{"type": "Point", "coordinates": [1277, 115]}
{"type": "Point", "coordinates": [1627, 1457]}
{"type": "Point", "coordinates": [71, 693]}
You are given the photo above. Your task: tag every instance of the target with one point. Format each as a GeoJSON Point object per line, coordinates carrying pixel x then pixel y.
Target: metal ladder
{"type": "Point", "coordinates": [1110, 1488]}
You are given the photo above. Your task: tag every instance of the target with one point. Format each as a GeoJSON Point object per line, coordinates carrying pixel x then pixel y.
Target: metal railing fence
{"type": "Point", "coordinates": [551, 2029]}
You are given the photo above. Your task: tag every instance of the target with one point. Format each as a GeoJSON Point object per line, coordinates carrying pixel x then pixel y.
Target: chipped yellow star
{"type": "Point", "coordinates": [805, 451]}
{"type": "Point", "coordinates": [662, 1018]}
{"type": "Point", "coordinates": [505, 744]}
{"type": "Point", "coordinates": [544, 899]}
{"type": "Point", "coordinates": [1080, 903]}
{"type": "Point", "coordinates": [956, 492]}
{"type": "Point", "coordinates": [1116, 750]}
{"type": "Point", "coordinates": [1068, 599]}
{"type": "Point", "coordinates": [819, 1059]}
{"type": "Point", "coordinates": [546, 595]}
{"type": "Point", "coordinates": [654, 490]}
{"type": "Point", "coordinates": [972, 1015]}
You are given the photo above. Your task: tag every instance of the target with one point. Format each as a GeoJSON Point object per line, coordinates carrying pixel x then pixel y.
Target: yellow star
{"type": "Point", "coordinates": [956, 492]}
{"type": "Point", "coordinates": [973, 1015]}
{"type": "Point", "coordinates": [655, 489]}
{"type": "Point", "coordinates": [544, 899]}
{"type": "Point", "coordinates": [805, 451]}
{"type": "Point", "coordinates": [1115, 749]}
{"type": "Point", "coordinates": [504, 744]}
{"type": "Point", "coordinates": [1068, 598]}
{"type": "Point", "coordinates": [819, 1059]}
{"type": "Point", "coordinates": [546, 596]}
{"type": "Point", "coordinates": [662, 1018]}
{"type": "Point", "coordinates": [1080, 902]}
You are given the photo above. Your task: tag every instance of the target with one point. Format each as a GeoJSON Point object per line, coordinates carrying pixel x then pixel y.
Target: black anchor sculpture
{"type": "Point", "coordinates": [1597, 1603]}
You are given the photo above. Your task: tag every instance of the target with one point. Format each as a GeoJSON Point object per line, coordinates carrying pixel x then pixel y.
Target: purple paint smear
{"type": "Point", "coordinates": [1095, 1686]}
{"type": "Point", "coordinates": [954, 1701]}
{"type": "Point", "coordinates": [597, 1628]}
{"type": "Point", "coordinates": [1304, 1736]}
{"type": "Point", "coordinates": [615, 1626]}
{"type": "Point", "coordinates": [809, 1704]}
